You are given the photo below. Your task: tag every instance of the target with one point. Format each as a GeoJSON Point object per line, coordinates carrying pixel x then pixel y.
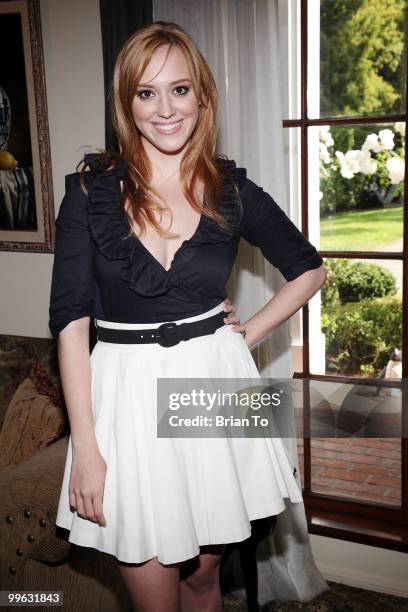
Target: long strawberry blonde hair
{"type": "Point", "coordinates": [199, 164]}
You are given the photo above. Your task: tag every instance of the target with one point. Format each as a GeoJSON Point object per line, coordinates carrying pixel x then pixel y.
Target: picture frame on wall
{"type": "Point", "coordinates": [27, 219]}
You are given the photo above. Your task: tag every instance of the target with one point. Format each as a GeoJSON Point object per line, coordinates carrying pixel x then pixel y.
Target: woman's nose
{"type": "Point", "coordinates": [165, 109]}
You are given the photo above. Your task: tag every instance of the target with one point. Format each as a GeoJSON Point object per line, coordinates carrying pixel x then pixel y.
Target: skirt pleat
{"type": "Point", "coordinates": [166, 497]}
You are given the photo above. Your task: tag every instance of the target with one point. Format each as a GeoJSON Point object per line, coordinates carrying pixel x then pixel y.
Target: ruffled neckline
{"type": "Point", "coordinates": [110, 229]}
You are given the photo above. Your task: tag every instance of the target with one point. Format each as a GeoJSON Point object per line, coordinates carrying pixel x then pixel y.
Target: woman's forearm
{"type": "Point", "coordinates": [75, 374]}
{"type": "Point", "coordinates": [292, 296]}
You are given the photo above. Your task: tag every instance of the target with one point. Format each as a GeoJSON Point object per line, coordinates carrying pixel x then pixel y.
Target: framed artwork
{"type": "Point", "coordinates": [26, 195]}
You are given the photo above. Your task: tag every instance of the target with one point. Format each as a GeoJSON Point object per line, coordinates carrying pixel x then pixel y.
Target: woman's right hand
{"type": "Point", "coordinates": [86, 485]}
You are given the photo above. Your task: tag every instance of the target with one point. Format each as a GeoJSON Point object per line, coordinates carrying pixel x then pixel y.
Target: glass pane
{"type": "Point", "coordinates": [355, 320]}
{"type": "Point", "coordinates": [356, 57]}
{"type": "Point", "coordinates": [365, 469]}
{"type": "Point", "coordinates": [356, 180]}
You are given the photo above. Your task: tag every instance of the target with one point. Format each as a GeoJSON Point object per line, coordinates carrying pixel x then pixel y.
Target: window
{"type": "Point", "coordinates": [345, 122]}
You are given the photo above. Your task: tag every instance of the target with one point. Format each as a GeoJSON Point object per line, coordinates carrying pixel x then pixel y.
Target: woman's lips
{"type": "Point", "coordinates": [168, 128]}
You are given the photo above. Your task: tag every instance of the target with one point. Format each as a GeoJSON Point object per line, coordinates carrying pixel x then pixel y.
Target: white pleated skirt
{"type": "Point", "coordinates": [166, 497]}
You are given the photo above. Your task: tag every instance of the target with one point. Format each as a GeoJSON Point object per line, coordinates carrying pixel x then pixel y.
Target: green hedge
{"type": "Point", "coordinates": [361, 335]}
{"type": "Point", "coordinates": [353, 281]}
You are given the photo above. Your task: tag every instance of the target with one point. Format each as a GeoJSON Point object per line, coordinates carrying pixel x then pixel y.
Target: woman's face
{"type": "Point", "coordinates": [165, 108]}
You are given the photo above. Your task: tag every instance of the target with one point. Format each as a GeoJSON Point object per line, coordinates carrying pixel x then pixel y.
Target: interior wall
{"type": "Point", "coordinates": [75, 95]}
{"type": "Point", "coordinates": [360, 565]}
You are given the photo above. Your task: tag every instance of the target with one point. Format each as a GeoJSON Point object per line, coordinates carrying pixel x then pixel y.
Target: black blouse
{"type": "Point", "coordinates": [101, 271]}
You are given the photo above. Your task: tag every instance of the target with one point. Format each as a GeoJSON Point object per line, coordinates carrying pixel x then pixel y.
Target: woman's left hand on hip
{"type": "Point", "coordinates": [232, 319]}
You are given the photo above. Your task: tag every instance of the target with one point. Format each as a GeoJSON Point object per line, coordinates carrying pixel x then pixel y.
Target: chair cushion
{"type": "Point", "coordinates": [32, 422]}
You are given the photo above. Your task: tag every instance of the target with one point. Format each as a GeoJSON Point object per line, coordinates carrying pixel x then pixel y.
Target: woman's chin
{"type": "Point", "coordinates": [168, 147]}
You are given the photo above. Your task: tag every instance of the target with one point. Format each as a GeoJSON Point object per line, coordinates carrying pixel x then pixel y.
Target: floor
{"type": "Point", "coordinates": [340, 598]}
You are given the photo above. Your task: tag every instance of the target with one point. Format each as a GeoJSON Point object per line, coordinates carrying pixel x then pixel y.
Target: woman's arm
{"type": "Point", "coordinates": [292, 296]}
{"type": "Point", "coordinates": [265, 225]}
{"type": "Point", "coordinates": [88, 470]}
{"type": "Point", "coordinates": [71, 306]}
{"type": "Point", "coordinates": [75, 374]}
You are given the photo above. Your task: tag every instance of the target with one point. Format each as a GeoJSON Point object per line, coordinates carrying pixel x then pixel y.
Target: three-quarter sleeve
{"type": "Point", "coordinates": [265, 225]}
{"type": "Point", "coordinates": [72, 286]}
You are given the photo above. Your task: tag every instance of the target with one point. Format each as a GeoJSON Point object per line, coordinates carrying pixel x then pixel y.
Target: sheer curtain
{"type": "Point", "coordinates": [240, 40]}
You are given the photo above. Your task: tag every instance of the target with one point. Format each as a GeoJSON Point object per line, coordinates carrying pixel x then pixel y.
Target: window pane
{"type": "Point", "coordinates": [356, 180]}
{"type": "Point", "coordinates": [355, 321]}
{"type": "Point", "coordinates": [365, 469]}
{"type": "Point", "coordinates": [359, 66]}
{"type": "Point", "coordinates": [355, 432]}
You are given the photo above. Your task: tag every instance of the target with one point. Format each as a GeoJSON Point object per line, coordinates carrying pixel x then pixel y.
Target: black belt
{"type": "Point", "coordinates": [167, 334]}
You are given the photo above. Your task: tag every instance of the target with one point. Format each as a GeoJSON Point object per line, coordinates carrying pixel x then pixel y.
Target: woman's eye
{"type": "Point", "coordinates": [144, 94]}
{"type": "Point", "coordinates": [147, 94]}
{"type": "Point", "coordinates": [182, 90]}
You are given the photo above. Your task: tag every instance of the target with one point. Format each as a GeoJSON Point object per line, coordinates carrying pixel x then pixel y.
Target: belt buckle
{"type": "Point", "coordinates": [168, 334]}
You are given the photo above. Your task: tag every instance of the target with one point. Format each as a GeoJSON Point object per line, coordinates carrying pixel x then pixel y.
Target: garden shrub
{"type": "Point", "coordinates": [362, 280]}
{"type": "Point", "coordinates": [353, 281]}
{"type": "Point", "coordinates": [361, 335]}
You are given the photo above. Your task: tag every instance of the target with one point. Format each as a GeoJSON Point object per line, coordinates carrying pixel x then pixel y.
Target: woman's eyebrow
{"type": "Point", "coordinates": [172, 83]}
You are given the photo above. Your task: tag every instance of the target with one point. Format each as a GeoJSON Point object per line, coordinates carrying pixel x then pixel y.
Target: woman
{"type": "Point", "coordinates": [157, 504]}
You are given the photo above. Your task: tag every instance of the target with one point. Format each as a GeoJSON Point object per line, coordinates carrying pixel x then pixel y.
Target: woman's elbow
{"type": "Point", "coordinates": [313, 279]}
{"type": "Point", "coordinates": [75, 328]}
{"type": "Point", "coordinates": [322, 271]}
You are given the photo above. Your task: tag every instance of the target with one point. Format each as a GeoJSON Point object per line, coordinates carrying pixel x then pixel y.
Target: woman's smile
{"type": "Point", "coordinates": [167, 128]}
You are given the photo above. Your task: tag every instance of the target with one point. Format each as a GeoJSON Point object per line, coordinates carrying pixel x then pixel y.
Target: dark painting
{"type": "Point", "coordinates": [17, 197]}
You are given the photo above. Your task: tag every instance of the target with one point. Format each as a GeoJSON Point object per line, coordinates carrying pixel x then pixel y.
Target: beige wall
{"type": "Point", "coordinates": [74, 81]}
{"type": "Point", "coordinates": [366, 567]}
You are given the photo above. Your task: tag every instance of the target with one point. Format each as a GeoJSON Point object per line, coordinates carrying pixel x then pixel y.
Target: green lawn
{"type": "Point", "coordinates": [361, 230]}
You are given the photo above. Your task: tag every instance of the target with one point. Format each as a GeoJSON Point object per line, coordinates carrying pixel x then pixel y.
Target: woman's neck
{"type": "Point", "coordinates": [164, 165]}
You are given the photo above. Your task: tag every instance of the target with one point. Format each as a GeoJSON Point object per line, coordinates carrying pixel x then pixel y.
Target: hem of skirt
{"type": "Point", "coordinates": [135, 557]}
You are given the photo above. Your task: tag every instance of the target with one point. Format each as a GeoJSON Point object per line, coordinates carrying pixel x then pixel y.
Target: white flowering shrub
{"type": "Point", "coordinates": [369, 176]}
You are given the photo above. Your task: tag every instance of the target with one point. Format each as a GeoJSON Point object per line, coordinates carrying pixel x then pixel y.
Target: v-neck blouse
{"type": "Point", "coordinates": [102, 271]}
